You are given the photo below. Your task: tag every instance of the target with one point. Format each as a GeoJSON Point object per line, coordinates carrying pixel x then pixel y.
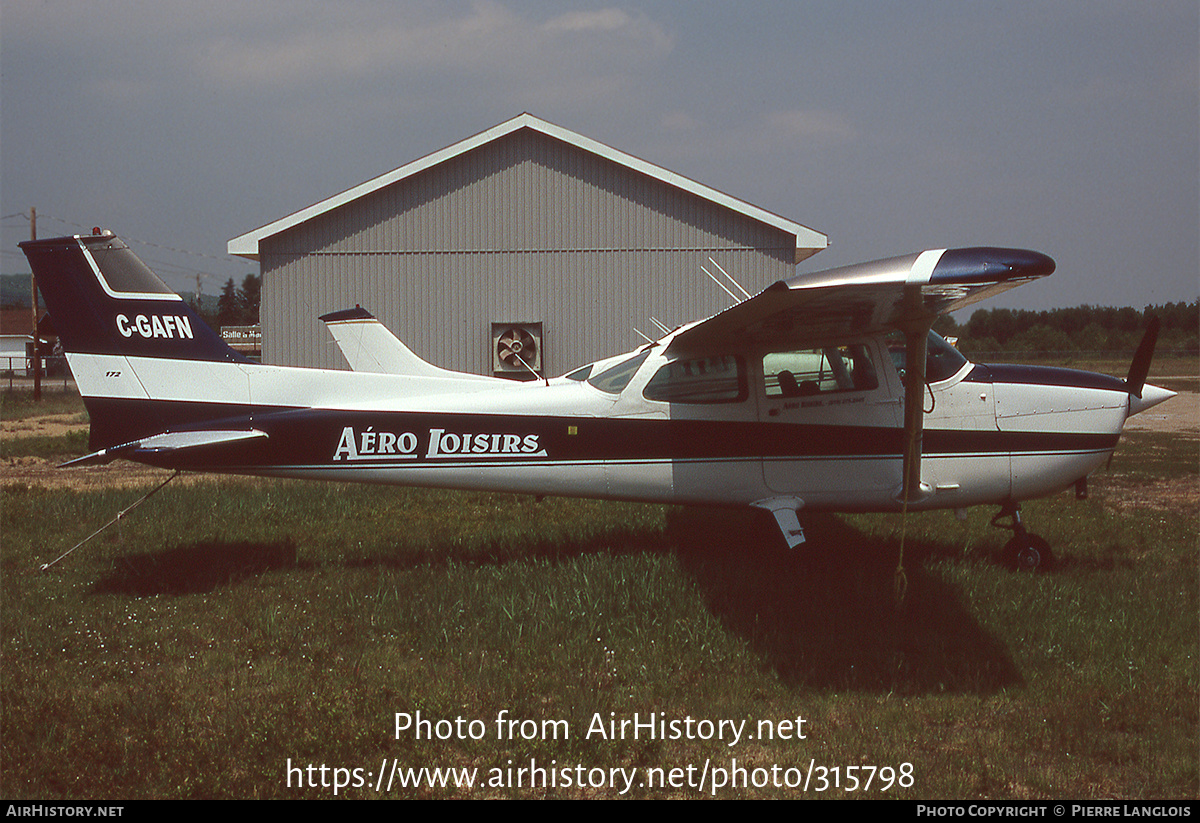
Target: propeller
{"type": "Point", "coordinates": [1140, 367]}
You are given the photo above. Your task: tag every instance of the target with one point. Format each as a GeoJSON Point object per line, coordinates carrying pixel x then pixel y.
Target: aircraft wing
{"type": "Point", "coordinates": [907, 292]}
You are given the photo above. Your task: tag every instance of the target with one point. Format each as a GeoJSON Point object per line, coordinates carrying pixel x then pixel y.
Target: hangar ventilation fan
{"type": "Point", "coordinates": [517, 349]}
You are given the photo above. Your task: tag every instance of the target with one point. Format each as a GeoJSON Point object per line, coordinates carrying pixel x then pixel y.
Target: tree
{"type": "Point", "coordinates": [250, 298]}
{"type": "Point", "coordinates": [229, 309]}
{"type": "Point", "coordinates": [239, 307]}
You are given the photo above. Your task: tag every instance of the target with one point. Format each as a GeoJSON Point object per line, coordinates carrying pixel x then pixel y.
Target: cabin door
{"type": "Point", "coordinates": [835, 419]}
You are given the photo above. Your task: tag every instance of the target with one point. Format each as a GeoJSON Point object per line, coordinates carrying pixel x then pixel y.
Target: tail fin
{"type": "Point", "coordinates": [121, 327]}
{"type": "Point", "coordinates": [104, 300]}
{"type": "Point", "coordinates": [369, 346]}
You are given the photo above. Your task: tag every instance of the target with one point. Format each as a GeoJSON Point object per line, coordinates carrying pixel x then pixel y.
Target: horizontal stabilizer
{"type": "Point", "coordinates": [164, 443]}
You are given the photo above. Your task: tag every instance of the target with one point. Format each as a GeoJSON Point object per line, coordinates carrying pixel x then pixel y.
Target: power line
{"type": "Point", "coordinates": [225, 259]}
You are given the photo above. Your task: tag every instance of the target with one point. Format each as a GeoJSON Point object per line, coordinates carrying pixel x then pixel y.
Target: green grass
{"type": "Point", "coordinates": [228, 626]}
{"type": "Point", "coordinates": [18, 404]}
{"type": "Point", "coordinates": [50, 446]}
{"type": "Point", "coordinates": [1149, 455]}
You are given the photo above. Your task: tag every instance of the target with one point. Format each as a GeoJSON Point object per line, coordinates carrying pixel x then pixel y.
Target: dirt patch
{"type": "Point", "coordinates": [1180, 494]}
{"type": "Point", "coordinates": [121, 474]}
{"type": "Point", "coordinates": [47, 425]}
{"type": "Point", "coordinates": [1179, 414]}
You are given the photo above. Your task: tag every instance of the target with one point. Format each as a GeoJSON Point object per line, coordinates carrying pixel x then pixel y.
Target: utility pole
{"type": "Point", "coordinates": [33, 303]}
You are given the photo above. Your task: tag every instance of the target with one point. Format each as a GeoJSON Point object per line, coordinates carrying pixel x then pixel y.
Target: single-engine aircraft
{"type": "Point", "coordinates": [825, 391]}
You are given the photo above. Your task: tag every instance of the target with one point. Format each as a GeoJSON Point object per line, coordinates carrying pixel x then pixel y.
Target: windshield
{"type": "Point", "coordinates": [942, 360]}
{"type": "Point", "coordinates": [613, 380]}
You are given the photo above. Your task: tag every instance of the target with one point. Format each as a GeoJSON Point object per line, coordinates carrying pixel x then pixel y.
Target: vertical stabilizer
{"type": "Point", "coordinates": [104, 300]}
{"type": "Point", "coordinates": [135, 348]}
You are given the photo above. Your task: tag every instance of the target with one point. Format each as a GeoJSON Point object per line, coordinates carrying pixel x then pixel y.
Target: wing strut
{"type": "Point", "coordinates": [916, 348]}
{"type": "Point", "coordinates": [916, 344]}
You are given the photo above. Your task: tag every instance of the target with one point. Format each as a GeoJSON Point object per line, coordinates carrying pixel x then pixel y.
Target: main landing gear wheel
{"type": "Point", "coordinates": [1028, 554]}
{"type": "Point", "coordinates": [1025, 552]}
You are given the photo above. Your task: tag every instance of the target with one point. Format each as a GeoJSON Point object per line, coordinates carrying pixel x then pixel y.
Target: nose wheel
{"type": "Point", "coordinates": [1025, 552]}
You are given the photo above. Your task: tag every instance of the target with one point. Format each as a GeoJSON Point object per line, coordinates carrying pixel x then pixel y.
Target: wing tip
{"type": "Point", "coordinates": [356, 313]}
{"type": "Point", "coordinates": [989, 264]}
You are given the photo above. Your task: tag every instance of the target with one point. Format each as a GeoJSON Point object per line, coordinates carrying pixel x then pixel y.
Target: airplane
{"type": "Point", "coordinates": [824, 392]}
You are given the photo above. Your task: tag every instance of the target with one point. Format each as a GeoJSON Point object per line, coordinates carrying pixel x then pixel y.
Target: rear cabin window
{"type": "Point", "coordinates": [822, 370]}
{"type": "Point", "coordinates": [703, 380]}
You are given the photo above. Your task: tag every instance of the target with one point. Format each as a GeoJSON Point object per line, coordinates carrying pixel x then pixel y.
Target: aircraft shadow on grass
{"type": "Point", "coordinates": [194, 568]}
{"type": "Point", "coordinates": [198, 568]}
{"type": "Point", "coordinates": [823, 616]}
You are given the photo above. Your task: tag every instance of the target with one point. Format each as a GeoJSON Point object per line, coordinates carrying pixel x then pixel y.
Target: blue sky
{"type": "Point", "coordinates": [1072, 128]}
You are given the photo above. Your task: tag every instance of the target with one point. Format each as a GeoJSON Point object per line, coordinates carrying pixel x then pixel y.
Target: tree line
{"type": "Point", "coordinates": [236, 305]}
{"type": "Point", "coordinates": [1082, 329]}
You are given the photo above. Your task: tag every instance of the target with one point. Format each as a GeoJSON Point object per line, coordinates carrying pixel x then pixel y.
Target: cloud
{"type": "Point", "coordinates": [812, 127]}
{"type": "Point", "coordinates": [601, 20]}
{"type": "Point", "coordinates": [790, 132]}
{"type": "Point", "coordinates": [637, 27]}
{"type": "Point", "coordinates": [486, 41]}
{"type": "Point", "coordinates": [678, 122]}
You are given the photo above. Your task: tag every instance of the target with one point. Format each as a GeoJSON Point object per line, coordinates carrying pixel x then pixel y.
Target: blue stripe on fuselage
{"type": "Point", "coordinates": [1044, 376]}
{"type": "Point", "coordinates": [343, 437]}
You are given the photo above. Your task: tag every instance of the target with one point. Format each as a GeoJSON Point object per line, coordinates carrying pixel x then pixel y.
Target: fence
{"type": "Point", "coordinates": [17, 370]}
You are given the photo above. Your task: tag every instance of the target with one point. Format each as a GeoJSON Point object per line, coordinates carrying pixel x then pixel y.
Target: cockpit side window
{"type": "Point", "coordinates": [613, 380]}
{"type": "Point", "coordinates": [702, 380]}
{"type": "Point", "coordinates": [819, 371]}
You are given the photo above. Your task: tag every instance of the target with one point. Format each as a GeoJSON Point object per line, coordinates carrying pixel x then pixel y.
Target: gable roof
{"type": "Point", "coordinates": [808, 241]}
{"type": "Point", "coordinates": [16, 321]}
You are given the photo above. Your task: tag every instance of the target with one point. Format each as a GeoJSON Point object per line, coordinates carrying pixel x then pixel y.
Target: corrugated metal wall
{"type": "Point", "coordinates": [523, 229]}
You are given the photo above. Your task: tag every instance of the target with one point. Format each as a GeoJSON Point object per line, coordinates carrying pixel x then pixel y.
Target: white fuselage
{"type": "Point", "coordinates": [985, 440]}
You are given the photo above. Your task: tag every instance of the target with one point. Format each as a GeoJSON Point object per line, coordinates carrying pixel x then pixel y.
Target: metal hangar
{"type": "Point", "coordinates": [526, 232]}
